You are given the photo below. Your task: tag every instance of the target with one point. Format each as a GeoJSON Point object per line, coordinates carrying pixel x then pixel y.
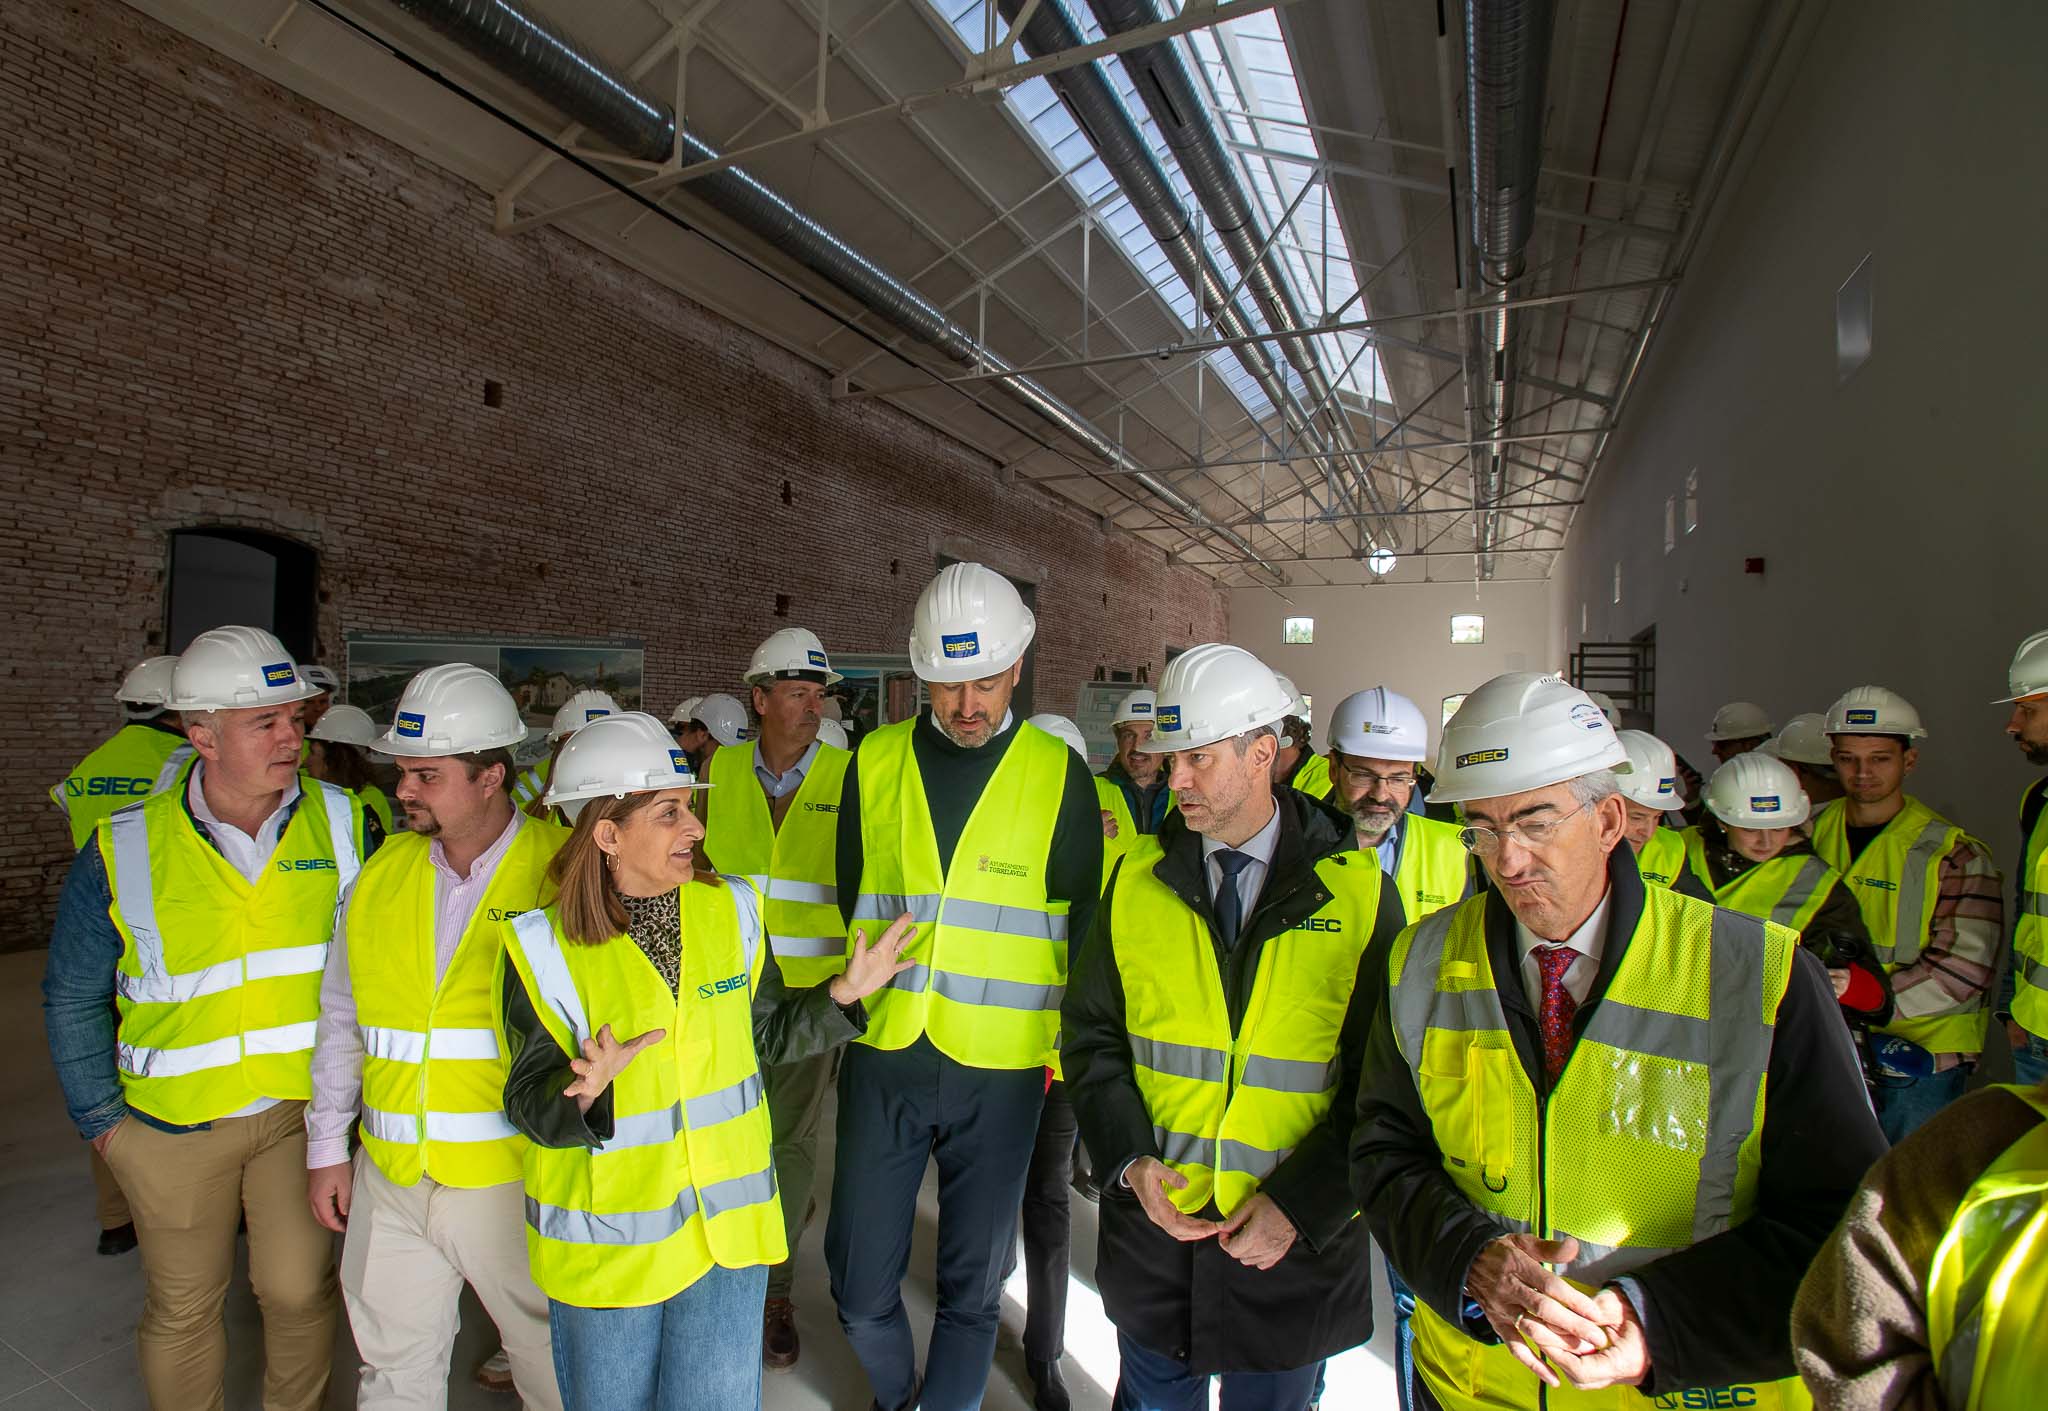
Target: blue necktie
{"type": "Point", "coordinates": [1230, 905]}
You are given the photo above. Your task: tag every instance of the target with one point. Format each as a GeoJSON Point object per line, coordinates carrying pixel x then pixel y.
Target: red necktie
{"type": "Point", "coordinates": [1554, 1017]}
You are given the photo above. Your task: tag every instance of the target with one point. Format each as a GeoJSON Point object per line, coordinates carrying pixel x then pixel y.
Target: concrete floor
{"type": "Point", "coordinates": [67, 1317]}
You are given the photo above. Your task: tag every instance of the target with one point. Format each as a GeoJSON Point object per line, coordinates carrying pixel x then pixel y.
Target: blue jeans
{"type": "Point", "coordinates": [1900, 1110]}
{"type": "Point", "coordinates": [699, 1349]}
{"type": "Point", "coordinates": [2030, 1060]}
{"type": "Point", "coordinates": [1151, 1381]}
{"type": "Point", "coordinates": [1404, 1338]}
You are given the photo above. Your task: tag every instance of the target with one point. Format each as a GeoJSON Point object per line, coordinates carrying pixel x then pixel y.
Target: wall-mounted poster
{"type": "Point", "coordinates": [540, 675]}
{"type": "Point", "coordinates": [878, 690]}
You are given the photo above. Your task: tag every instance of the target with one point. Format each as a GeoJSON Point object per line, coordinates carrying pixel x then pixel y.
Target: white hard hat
{"type": "Point", "coordinates": [1523, 731]}
{"type": "Point", "coordinates": [453, 708]}
{"type": "Point", "coordinates": [1138, 705]}
{"type": "Point", "coordinates": [1873, 710]}
{"type": "Point", "coordinates": [1756, 791]}
{"type": "Point", "coordinates": [578, 711]}
{"type": "Point", "coordinates": [1379, 724]}
{"type": "Point", "coordinates": [1740, 720]}
{"type": "Point", "coordinates": [1297, 703]}
{"type": "Point", "coordinates": [1063, 729]}
{"type": "Point", "coordinates": [2029, 673]}
{"type": "Point", "coordinates": [630, 753]}
{"type": "Point", "coordinates": [148, 682]}
{"type": "Point", "coordinates": [321, 676]}
{"type": "Point", "coordinates": [1607, 707]}
{"type": "Point", "coordinates": [1804, 740]}
{"type": "Point", "coordinates": [968, 623]}
{"type": "Point", "coordinates": [1214, 692]}
{"type": "Point", "coordinates": [793, 654]}
{"type": "Point", "coordinates": [1652, 777]}
{"type": "Point", "coordinates": [346, 725]}
{"type": "Point", "coordinates": [236, 668]}
{"type": "Point", "coordinates": [833, 734]}
{"type": "Point", "coordinates": [723, 716]}
{"type": "Point", "coordinates": [685, 711]}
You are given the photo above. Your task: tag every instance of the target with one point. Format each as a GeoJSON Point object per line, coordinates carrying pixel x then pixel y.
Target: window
{"type": "Point", "coordinates": [1298, 631]}
{"type": "Point", "coordinates": [1670, 523]}
{"type": "Point", "coordinates": [1467, 628]}
{"type": "Point", "coordinates": [1381, 561]}
{"type": "Point", "coordinates": [1451, 704]}
{"type": "Point", "coordinates": [1692, 499]}
{"type": "Point", "coordinates": [1617, 582]}
{"type": "Point", "coordinates": [221, 577]}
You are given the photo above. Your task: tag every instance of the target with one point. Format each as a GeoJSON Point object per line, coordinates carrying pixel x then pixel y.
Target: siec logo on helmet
{"type": "Point", "coordinates": [1141, 707]}
{"type": "Point", "coordinates": [1860, 716]}
{"type": "Point", "coordinates": [723, 987]}
{"type": "Point", "coordinates": [955, 645]}
{"type": "Point", "coordinates": [1765, 803]}
{"type": "Point", "coordinates": [1667, 785]}
{"type": "Point", "coordinates": [816, 659]}
{"type": "Point", "coordinates": [1168, 719]}
{"type": "Point", "coordinates": [1466, 761]}
{"type": "Point", "coordinates": [306, 864]}
{"type": "Point", "coordinates": [410, 725]}
{"type": "Point", "coordinates": [593, 713]}
{"type": "Point", "coordinates": [679, 761]}
{"type": "Point", "coordinates": [279, 674]}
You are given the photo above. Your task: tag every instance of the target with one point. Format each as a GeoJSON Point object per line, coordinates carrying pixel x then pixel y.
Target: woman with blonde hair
{"type": "Point", "coordinates": [640, 1013]}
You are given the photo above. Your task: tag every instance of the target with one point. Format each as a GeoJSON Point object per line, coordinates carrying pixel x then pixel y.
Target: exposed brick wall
{"type": "Point", "coordinates": [221, 304]}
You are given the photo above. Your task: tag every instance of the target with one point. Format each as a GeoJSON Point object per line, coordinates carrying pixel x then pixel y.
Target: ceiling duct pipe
{"type": "Point", "coordinates": [532, 53]}
{"type": "Point", "coordinates": [1099, 110]}
{"type": "Point", "coordinates": [1171, 96]}
{"type": "Point", "coordinates": [1507, 62]}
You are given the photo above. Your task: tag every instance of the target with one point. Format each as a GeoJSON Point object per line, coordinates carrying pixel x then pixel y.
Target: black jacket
{"type": "Point", "coordinates": [1716, 1313]}
{"type": "Point", "coordinates": [1193, 1301]}
{"type": "Point", "coordinates": [1147, 806]}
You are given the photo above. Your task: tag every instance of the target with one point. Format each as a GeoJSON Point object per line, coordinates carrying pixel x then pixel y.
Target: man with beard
{"type": "Point", "coordinates": [985, 831]}
{"type": "Point", "coordinates": [1930, 897]}
{"type": "Point", "coordinates": [1377, 738]}
{"type": "Point", "coordinates": [1134, 776]}
{"type": "Point", "coordinates": [2026, 1008]}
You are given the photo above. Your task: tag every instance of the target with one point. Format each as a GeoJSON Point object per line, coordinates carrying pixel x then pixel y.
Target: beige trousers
{"type": "Point", "coordinates": [408, 1252]}
{"type": "Point", "coordinates": [112, 1206]}
{"type": "Point", "coordinates": [188, 1191]}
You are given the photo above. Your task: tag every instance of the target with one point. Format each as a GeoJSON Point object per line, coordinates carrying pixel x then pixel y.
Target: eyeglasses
{"type": "Point", "coordinates": [1536, 833]}
{"type": "Point", "coordinates": [1366, 779]}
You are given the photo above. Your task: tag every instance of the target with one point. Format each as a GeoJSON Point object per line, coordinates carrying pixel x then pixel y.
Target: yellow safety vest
{"type": "Point", "coordinates": [1434, 866]}
{"type": "Point", "coordinates": [433, 1067]}
{"type": "Point", "coordinates": [139, 760]}
{"type": "Point", "coordinates": [1896, 883]}
{"type": "Point", "coordinates": [1313, 778]}
{"type": "Point", "coordinates": [1112, 799]}
{"type": "Point", "coordinates": [218, 984]}
{"type": "Point", "coordinates": [792, 866]}
{"type": "Point", "coordinates": [686, 1180]}
{"type": "Point", "coordinates": [2030, 935]}
{"type": "Point", "coordinates": [373, 799]}
{"type": "Point", "coordinates": [1989, 1283]}
{"type": "Point", "coordinates": [1786, 889]}
{"type": "Point", "coordinates": [1228, 1108]}
{"type": "Point", "coordinates": [990, 945]}
{"type": "Point", "coordinates": [532, 784]}
{"type": "Point", "coordinates": [1649, 1141]}
{"type": "Point", "coordinates": [1662, 857]}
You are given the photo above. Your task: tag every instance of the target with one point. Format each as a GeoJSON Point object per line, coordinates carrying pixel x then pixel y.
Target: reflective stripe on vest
{"type": "Point", "coordinates": [218, 983]}
{"type": "Point", "coordinates": [685, 1180]}
{"type": "Point", "coordinates": [792, 866]}
{"type": "Point", "coordinates": [1661, 857]}
{"type": "Point", "coordinates": [1786, 890]}
{"type": "Point", "coordinates": [2030, 931]}
{"type": "Point", "coordinates": [1648, 1143]}
{"type": "Point", "coordinates": [1434, 866]}
{"type": "Point", "coordinates": [1988, 1282]}
{"type": "Point", "coordinates": [1896, 882]}
{"type": "Point", "coordinates": [1228, 1108]}
{"type": "Point", "coordinates": [990, 947]}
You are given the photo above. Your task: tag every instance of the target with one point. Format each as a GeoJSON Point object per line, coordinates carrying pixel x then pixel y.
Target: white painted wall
{"type": "Point", "coordinates": [1397, 635]}
{"type": "Point", "coordinates": [1899, 513]}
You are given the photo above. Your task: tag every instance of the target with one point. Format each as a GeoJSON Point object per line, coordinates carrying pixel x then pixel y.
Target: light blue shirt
{"type": "Point", "coordinates": [1252, 879]}
{"type": "Point", "coordinates": [790, 780]}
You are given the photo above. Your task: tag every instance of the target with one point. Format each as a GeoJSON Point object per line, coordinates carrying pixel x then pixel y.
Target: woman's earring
{"type": "Point", "coordinates": [611, 860]}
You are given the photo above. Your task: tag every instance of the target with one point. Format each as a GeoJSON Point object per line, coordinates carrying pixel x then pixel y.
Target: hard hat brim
{"type": "Point", "coordinates": [387, 744]}
{"type": "Point", "coordinates": [551, 799]}
{"type": "Point", "coordinates": [2023, 696]}
{"type": "Point", "coordinates": [303, 690]}
{"type": "Point", "coordinates": [769, 678]}
{"type": "Point", "coordinates": [1447, 790]}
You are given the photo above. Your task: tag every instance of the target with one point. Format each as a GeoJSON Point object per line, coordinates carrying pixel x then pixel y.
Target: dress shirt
{"type": "Point", "coordinates": [781, 785]}
{"type": "Point", "coordinates": [1589, 941]}
{"type": "Point", "coordinates": [1259, 847]}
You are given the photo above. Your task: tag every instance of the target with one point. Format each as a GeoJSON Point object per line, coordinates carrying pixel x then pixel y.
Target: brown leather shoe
{"type": "Point", "coordinates": [779, 1346]}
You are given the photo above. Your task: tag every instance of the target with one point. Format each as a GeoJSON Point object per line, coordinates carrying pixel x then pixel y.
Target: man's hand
{"type": "Point", "coordinates": [329, 1190]}
{"type": "Point", "coordinates": [604, 1058]}
{"type": "Point", "coordinates": [100, 1142]}
{"type": "Point", "coordinates": [1625, 1361]}
{"type": "Point", "coordinates": [1840, 980]}
{"type": "Point", "coordinates": [2015, 1034]}
{"type": "Point", "coordinates": [1258, 1235]}
{"type": "Point", "coordinates": [1149, 1179]}
{"type": "Point", "coordinates": [1516, 1293]}
{"type": "Point", "coordinates": [1108, 824]}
